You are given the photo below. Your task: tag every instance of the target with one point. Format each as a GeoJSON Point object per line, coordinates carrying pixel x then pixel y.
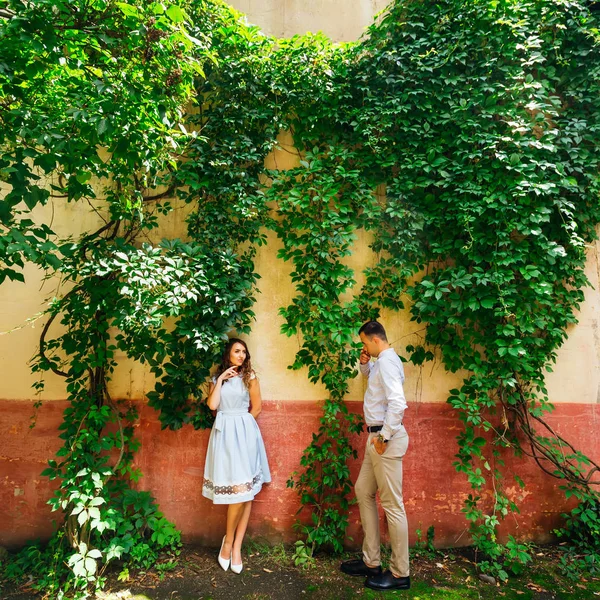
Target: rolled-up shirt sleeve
{"type": "Point", "coordinates": [366, 368]}
{"type": "Point", "coordinates": [392, 378]}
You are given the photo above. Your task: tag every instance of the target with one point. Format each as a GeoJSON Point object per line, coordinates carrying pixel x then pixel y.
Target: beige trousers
{"type": "Point", "coordinates": [384, 473]}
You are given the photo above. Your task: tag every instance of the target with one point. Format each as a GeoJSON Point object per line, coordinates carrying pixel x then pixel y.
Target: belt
{"type": "Point", "coordinates": [374, 428]}
{"type": "Point", "coordinates": [221, 414]}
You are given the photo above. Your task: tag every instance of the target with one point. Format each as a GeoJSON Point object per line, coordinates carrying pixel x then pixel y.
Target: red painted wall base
{"type": "Point", "coordinates": [173, 465]}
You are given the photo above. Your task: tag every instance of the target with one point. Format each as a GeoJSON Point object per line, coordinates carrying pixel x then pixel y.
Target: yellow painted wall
{"type": "Point", "coordinates": [341, 20]}
{"type": "Point", "coordinates": [576, 377]}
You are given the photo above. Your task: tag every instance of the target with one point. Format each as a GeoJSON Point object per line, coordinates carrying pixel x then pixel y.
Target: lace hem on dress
{"type": "Point", "coordinates": [232, 489]}
{"type": "Point", "coordinates": [242, 492]}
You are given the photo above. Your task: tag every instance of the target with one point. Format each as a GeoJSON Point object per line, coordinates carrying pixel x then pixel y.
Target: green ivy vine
{"type": "Point", "coordinates": [477, 125]}
{"type": "Point", "coordinates": [97, 104]}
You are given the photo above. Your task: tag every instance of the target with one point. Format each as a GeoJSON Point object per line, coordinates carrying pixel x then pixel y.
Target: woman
{"type": "Point", "coordinates": [236, 462]}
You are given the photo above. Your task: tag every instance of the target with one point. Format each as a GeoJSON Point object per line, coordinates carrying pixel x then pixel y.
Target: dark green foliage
{"type": "Point", "coordinates": [582, 534]}
{"type": "Point", "coordinates": [100, 90]}
{"type": "Point", "coordinates": [425, 547]}
{"type": "Point", "coordinates": [481, 120]}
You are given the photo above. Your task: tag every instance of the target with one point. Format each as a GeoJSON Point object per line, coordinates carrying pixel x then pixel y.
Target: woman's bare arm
{"type": "Point", "coordinates": [214, 391]}
{"type": "Point", "coordinates": [255, 397]}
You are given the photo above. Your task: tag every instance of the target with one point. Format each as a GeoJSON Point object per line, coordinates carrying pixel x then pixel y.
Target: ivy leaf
{"type": "Point", "coordinates": [90, 565]}
{"type": "Point", "coordinates": [175, 13]}
{"type": "Point", "coordinates": [128, 10]}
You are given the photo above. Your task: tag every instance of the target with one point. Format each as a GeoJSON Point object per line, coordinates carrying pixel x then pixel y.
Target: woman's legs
{"type": "Point", "coordinates": [234, 513]}
{"type": "Point", "coordinates": [240, 532]}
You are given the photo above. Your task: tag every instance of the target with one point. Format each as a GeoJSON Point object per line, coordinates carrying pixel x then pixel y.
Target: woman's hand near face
{"type": "Point", "coordinates": [228, 374]}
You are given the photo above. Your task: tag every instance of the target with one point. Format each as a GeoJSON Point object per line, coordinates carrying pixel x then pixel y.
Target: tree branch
{"type": "Point", "coordinates": [45, 331]}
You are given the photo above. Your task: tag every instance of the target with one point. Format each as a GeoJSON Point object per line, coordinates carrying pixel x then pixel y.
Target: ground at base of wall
{"type": "Point", "coordinates": [269, 574]}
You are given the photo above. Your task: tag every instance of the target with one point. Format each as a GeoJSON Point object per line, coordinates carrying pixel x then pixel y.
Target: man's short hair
{"type": "Point", "coordinates": [373, 328]}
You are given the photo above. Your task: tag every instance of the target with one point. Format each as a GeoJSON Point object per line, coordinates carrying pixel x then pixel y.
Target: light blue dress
{"type": "Point", "coordinates": [236, 461]}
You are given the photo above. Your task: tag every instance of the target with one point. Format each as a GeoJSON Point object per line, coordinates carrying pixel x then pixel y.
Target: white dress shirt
{"type": "Point", "coordinates": [385, 402]}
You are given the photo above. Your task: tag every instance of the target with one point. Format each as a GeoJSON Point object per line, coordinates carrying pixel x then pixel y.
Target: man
{"type": "Point", "coordinates": [384, 407]}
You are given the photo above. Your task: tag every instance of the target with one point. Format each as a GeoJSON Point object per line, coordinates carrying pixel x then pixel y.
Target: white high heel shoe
{"type": "Point", "coordinates": [237, 568]}
{"type": "Point", "coordinates": [224, 562]}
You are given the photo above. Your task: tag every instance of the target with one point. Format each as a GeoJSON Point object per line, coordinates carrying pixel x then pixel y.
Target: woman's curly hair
{"type": "Point", "coordinates": [246, 368]}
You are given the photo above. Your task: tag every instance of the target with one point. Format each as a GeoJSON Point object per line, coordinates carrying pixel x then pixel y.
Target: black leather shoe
{"type": "Point", "coordinates": [358, 567]}
{"type": "Point", "coordinates": [386, 581]}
